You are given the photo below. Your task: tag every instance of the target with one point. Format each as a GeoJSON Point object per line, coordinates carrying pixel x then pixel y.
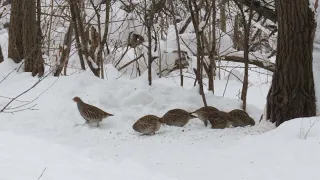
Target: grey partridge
{"type": "Point", "coordinates": [177, 117]}
{"type": "Point", "coordinates": [202, 113]}
{"type": "Point", "coordinates": [90, 113]}
{"type": "Point", "coordinates": [147, 124]}
{"type": "Point", "coordinates": [243, 116]}
{"type": "Point", "coordinates": [219, 120]}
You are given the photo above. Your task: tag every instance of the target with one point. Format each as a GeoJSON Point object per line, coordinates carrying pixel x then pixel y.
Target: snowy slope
{"type": "Point", "coordinates": [27, 158]}
{"type": "Point", "coordinates": [172, 151]}
{"type": "Point", "coordinates": [116, 151]}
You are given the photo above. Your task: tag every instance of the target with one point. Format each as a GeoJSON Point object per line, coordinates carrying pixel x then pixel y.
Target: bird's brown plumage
{"type": "Point", "coordinates": [243, 116]}
{"type": "Point", "coordinates": [147, 124]}
{"type": "Point", "coordinates": [177, 117]}
{"type": "Point", "coordinates": [90, 113]}
{"type": "Point", "coordinates": [219, 120]}
{"type": "Point", "coordinates": [202, 113]}
{"type": "Point", "coordinates": [215, 117]}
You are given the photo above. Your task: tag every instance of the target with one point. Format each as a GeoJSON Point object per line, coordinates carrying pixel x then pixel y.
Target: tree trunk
{"type": "Point", "coordinates": [1, 55]}
{"type": "Point", "coordinates": [15, 49]}
{"type": "Point", "coordinates": [38, 66]}
{"type": "Point", "coordinates": [223, 19]}
{"type": "Point", "coordinates": [212, 53]}
{"type": "Point", "coordinates": [105, 35]}
{"type": "Point", "coordinates": [76, 16]}
{"type": "Point", "coordinates": [149, 21]}
{"type": "Point", "coordinates": [65, 52]}
{"type": "Point", "coordinates": [29, 27]}
{"type": "Point", "coordinates": [178, 41]}
{"type": "Point", "coordinates": [292, 93]}
{"type": "Point", "coordinates": [247, 26]}
{"type": "Point", "coordinates": [77, 36]}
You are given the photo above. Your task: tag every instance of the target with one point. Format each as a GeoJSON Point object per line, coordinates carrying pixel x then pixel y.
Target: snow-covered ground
{"type": "Point", "coordinates": [47, 137]}
{"type": "Point", "coordinates": [24, 157]}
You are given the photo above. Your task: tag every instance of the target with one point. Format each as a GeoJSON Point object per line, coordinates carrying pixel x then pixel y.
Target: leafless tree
{"type": "Point", "coordinates": [292, 93]}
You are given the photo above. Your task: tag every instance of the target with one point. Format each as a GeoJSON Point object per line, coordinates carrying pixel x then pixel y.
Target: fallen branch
{"type": "Point", "coordinates": [270, 67]}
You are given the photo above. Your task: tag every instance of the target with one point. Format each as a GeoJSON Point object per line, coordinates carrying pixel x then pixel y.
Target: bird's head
{"type": "Point", "coordinates": [191, 116]}
{"type": "Point", "coordinates": [77, 99]}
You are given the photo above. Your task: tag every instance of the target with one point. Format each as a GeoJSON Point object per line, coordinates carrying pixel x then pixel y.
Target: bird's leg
{"type": "Point", "coordinates": [98, 125]}
{"type": "Point", "coordinates": [81, 124]}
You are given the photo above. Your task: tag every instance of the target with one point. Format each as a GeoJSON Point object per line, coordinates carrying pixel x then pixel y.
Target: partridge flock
{"type": "Point", "coordinates": [150, 124]}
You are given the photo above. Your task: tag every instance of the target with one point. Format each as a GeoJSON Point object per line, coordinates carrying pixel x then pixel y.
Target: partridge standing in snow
{"type": "Point", "coordinates": [217, 116]}
{"type": "Point", "coordinates": [177, 117]}
{"type": "Point", "coordinates": [147, 125]}
{"type": "Point", "coordinates": [243, 116]}
{"type": "Point", "coordinates": [219, 120]}
{"type": "Point", "coordinates": [90, 113]}
{"type": "Point", "coordinates": [202, 113]}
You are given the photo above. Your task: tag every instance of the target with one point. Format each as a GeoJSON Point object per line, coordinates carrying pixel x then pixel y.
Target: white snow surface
{"type": "Point", "coordinates": [48, 137]}
{"type": "Point", "coordinates": [25, 157]}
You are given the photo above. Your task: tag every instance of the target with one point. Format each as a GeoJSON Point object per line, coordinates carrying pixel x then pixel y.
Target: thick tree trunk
{"type": "Point", "coordinates": [29, 36]}
{"type": "Point", "coordinates": [15, 49]}
{"type": "Point", "coordinates": [292, 92]}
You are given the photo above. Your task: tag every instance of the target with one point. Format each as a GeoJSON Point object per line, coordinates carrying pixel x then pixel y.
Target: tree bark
{"type": "Point", "coordinates": [212, 52]}
{"type": "Point", "coordinates": [77, 36]}
{"type": "Point", "coordinates": [105, 35]}
{"type": "Point", "coordinates": [29, 38]}
{"type": "Point", "coordinates": [178, 40]}
{"type": "Point", "coordinates": [1, 55]}
{"type": "Point", "coordinates": [247, 26]}
{"type": "Point", "coordinates": [292, 93]}
{"type": "Point", "coordinates": [194, 11]}
{"type": "Point", "coordinates": [65, 52]}
{"type": "Point", "coordinates": [223, 18]}
{"type": "Point", "coordinates": [76, 16]}
{"type": "Point", "coordinates": [38, 66]}
{"type": "Point", "coordinates": [15, 47]}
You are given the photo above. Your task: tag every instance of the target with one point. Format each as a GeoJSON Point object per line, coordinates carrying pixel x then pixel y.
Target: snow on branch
{"type": "Point", "coordinates": [268, 66]}
{"type": "Point", "coordinates": [94, 65]}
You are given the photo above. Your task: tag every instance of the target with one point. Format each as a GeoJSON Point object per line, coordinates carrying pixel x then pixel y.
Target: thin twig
{"type": "Point", "coordinates": [12, 98]}
{"type": "Point", "coordinates": [33, 86]}
{"type": "Point", "coordinates": [7, 75]}
{"type": "Point", "coordinates": [42, 173]}
{"type": "Point", "coordinates": [36, 97]}
{"type": "Point", "coordinates": [19, 110]}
